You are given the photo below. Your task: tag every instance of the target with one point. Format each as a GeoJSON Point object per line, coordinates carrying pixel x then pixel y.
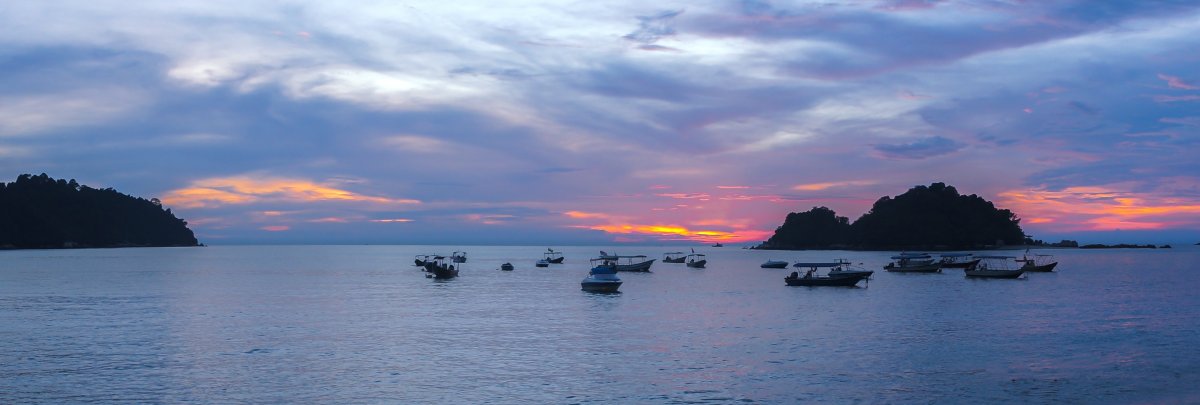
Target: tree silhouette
{"type": "Point", "coordinates": [41, 212]}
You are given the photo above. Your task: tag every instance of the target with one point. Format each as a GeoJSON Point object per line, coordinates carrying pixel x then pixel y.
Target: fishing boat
{"type": "Point", "coordinates": [542, 263]}
{"type": "Point", "coordinates": [552, 256]}
{"type": "Point", "coordinates": [696, 260]}
{"type": "Point", "coordinates": [718, 244]}
{"type": "Point", "coordinates": [458, 257]}
{"type": "Point", "coordinates": [629, 263]}
{"type": "Point", "coordinates": [846, 269]}
{"type": "Point", "coordinates": [774, 264]}
{"type": "Point", "coordinates": [506, 267]}
{"type": "Point", "coordinates": [812, 279]}
{"type": "Point", "coordinates": [674, 257]}
{"type": "Point", "coordinates": [958, 260]}
{"type": "Point", "coordinates": [420, 260]}
{"type": "Point", "coordinates": [439, 269]}
{"type": "Point", "coordinates": [602, 278]}
{"type": "Point", "coordinates": [913, 263]}
{"type": "Point", "coordinates": [1038, 263]}
{"type": "Point", "coordinates": [995, 267]}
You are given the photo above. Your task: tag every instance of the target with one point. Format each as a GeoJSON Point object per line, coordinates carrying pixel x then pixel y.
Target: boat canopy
{"type": "Point", "coordinates": [673, 253]}
{"type": "Point", "coordinates": [957, 254]}
{"type": "Point", "coordinates": [612, 257]}
{"type": "Point", "coordinates": [818, 264]}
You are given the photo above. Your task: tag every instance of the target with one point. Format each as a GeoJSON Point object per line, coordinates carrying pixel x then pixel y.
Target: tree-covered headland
{"type": "Point", "coordinates": [933, 217]}
{"type": "Point", "coordinates": [41, 212]}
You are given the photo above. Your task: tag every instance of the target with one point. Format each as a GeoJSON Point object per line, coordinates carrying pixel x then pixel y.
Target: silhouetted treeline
{"type": "Point", "coordinates": [934, 217]}
{"type": "Point", "coordinates": [41, 212]}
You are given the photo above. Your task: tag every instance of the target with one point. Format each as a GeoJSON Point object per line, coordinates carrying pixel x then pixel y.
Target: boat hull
{"type": "Point", "coordinates": [699, 264]}
{"type": "Point", "coordinates": [542, 264]}
{"type": "Point", "coordinates": [994, 273]}
{"type": "Point", "coordinates": [927, 268]}
{"type": "Point", "coordinates": [600, 286]}
{"type": "Point", "coordinates": [557, 260]}
{"type": "Point", "coordinates": [851, 273]}
{"type": "Point", "coordinates": [642, 267]}
{"type": "Point", "coordinates": [443, 274]}
{"type": "Point", "coordinates": [848, 281]}
{"type": "Point", "coordinates": [1040, 269]}
{"type": "Point", "coordinates": [774, 265]}
{"type": "Point", "coordinates": [961, 265]}
{"type": "Point", "coordinates": [506, 267]}
{"type": "Point", "coordinates": [674, 259]}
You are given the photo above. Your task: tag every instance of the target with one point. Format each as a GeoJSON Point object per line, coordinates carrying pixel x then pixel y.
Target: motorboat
{"type": "Point", "coordinates": [420, 260]}
{"type": "Point", "coordinates": [913, 263]}
{"type": "Point", "coordinates": [1038, 263]}
{"type": "Point", "coordinates": [542, 263]}
{"type": "Point", "coordinates": [552, 256]}
{"type": "Point", "coordinates": [774, 264]}
{"type": "Point", "coordinates": [506, 267]}
{"type": "Point", "coordinates": [996, 267]}
{"type": "Point", "coordinates": [628, 263]}
{"type": "Point", "coordinates": [845, 269]}
{"type": "Point", "coordinates": [810, 278]}
{"type": "Point", "coordinates": [458, 257]}
{"type": "Point", "coordinates": [958, 260]}
{"type": "Point", "coordinates": [674, 257]}
{"type": "Point", "coordinates": [696, 260]}
{"type": "Point", "coordinates": [602, 278]}
{"type": "Point", "coordinates": [718, 244]}
{"type": "Point", "coordinates": [440, 269]}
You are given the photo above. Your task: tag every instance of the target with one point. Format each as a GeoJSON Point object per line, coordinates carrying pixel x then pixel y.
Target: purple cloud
{"type": "Point", "coordinates": [921, 149]}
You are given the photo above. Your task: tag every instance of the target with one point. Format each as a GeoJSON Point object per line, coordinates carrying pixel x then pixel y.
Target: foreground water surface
{"type": "Point", "coordinates": [359, 324]}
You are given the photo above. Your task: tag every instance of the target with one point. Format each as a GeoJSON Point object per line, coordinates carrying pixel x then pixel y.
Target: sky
{"type": "Point", "coordinates": [564, 123]}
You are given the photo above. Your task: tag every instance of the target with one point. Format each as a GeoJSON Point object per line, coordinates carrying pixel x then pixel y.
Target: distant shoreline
{"type": "Point", "coordinates": [9, 247]}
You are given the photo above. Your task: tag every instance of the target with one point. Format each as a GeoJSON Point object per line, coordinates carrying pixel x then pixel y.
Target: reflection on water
{"type": "Point", "coordinates": [361, 324]}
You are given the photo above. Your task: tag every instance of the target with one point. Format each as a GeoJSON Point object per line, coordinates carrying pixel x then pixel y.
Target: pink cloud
{"type": "Point", "coordinates": [1171, 99]}
{"type": "Point", "coordinates": [1177, 83]}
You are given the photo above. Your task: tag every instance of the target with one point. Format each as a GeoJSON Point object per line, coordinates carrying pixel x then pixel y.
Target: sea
{"type": "Point", "coordinates": [361, 324]}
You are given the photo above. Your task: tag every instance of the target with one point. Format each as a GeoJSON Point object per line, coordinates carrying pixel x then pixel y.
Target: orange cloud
{"type": "Point", "coordinates": [392, 220]}
{"type": "Point", "coordinates": [583, 215]}
{"type": "Point", "coordinates": [215, 192]}
{"type": "Point", "coordinates": [276, 228]}
{"type": "Point", "coordinates": [1101, 208]}
{"type": "Point", "coordinates": [826, 186]}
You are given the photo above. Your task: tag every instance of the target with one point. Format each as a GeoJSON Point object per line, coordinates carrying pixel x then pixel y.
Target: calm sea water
{"type": "Point", "coordinates": [359, 324]}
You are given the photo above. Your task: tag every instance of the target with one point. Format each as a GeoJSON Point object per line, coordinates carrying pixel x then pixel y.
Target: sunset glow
{"type": "Point", "coordinates": [589, 123]}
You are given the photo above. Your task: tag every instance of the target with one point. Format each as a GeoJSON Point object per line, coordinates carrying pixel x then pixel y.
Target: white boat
{"type": "Point", "coordinates": [913, 263]}
{"type": "Point", "coordinates": [602, 278]}
{"type": "Point", "coordinates": [697, 260]}
{"type": "Point", "coordinates": [542, 263]}
{"type": "Point", "coordinates": [995, 267]}
{"type": "Point", "coordinates": [1037, 263]}
{"type": "Point", "coordinates": [845, 269]}
{"type": "Point", "coordinates": [458, 257]}
{"type": "Point", "coordinates": [628, 263]}
{"type": "Point", "coordinates": [774, 264]}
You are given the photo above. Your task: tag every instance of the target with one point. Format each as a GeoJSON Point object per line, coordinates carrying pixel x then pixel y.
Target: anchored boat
{"type": "Point", "coordinates": [602, 278]}
{"type": "Point", "coordinates": [844, 278]}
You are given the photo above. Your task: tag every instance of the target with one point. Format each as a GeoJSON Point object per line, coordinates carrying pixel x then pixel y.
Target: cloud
{"type": "Point", "coordinates": [1177, 83]}
{"type": "Point", "coordinates": [653, 28]}
{"type": "Point", "coordinates": [236, 190]}
{"type": "Point", "coordinates": [921, 149]}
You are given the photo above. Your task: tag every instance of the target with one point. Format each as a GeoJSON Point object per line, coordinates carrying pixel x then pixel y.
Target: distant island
{"type": "Point", "coordinates": [936, 217]}
{"type": "Point", "coordinates": [39, 212]}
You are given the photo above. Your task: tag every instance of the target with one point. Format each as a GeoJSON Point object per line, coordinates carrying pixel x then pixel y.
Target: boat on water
{"type": "Point", "coordinates": [996, 267]}
{"type": "Point", "coordinates": [913, 263]}
{"type": "Point", "coordinates": [420, 260]}
{"type": "Point", "coordinates": [774, 264]}
{"type": "Point", "coordinates": [506, 267]}
{"type": "Point", "coordinates": [847, 269]}
{"type": "Point", "coordinates": [458, 257]}
{"type": "Point", "coordinates": [810, 278]}
{"type": "Point", "coordinates": [674, 257]}
{"type": "Point", "coordinates": [439, 268]}
{"type": "Point", "coordinates": [628, 263]}
{"type": "Point", "coordinates": [718, 244]}
{"type": "Point", "coordinates": [958, 260]}
{"type": "Point", "coordinates": [552, 256]}
{"type": "Point", "coordinates": [696, 260]}
{"type": "Point", "coordinates": [542, 263]}
{"type": "Point", "coordinates": [1037, 262]}
{"type": "Point", "coordinates": [602, 278]}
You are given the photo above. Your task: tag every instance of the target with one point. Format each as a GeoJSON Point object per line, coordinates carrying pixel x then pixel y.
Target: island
{"type": "Point", "coordinates": [934, 217]}
{"type": "Point", "coordinates": [39, 212]}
